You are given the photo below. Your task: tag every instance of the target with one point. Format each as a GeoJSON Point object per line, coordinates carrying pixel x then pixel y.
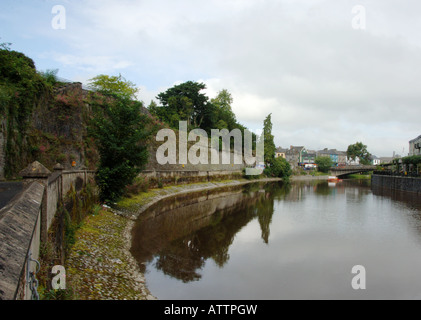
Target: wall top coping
{"type": "Point", "coordinates": [35, 170]}
{"type": "Point", "coordinates": [17, 223]}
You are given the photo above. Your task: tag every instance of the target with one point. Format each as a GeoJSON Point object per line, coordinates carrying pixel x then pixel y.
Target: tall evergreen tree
{"type": "Point", "coordinates": [270, 148]}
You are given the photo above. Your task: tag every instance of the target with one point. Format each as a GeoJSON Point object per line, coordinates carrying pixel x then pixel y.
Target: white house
{"type": "Point", "coordinates": [375, 161]}
{"type": "Point", "coordinates": [415, 146]}
{"type": "Point", "coordinates": [351, 162]}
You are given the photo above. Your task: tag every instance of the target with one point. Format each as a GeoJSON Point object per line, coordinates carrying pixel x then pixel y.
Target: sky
{"type": "Point", "coordinates": [330, 73]}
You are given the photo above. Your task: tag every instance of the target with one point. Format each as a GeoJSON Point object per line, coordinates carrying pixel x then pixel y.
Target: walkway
{"type": "Point", "coordinates": [8, 190]}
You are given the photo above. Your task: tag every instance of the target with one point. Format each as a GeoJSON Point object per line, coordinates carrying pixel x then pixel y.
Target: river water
{"type": "Point", "coordinates": [283, 241]}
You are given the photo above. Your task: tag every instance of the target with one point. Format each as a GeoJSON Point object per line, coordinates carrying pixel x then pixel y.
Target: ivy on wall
{"type": "Point", "coordinates": [21, 88]}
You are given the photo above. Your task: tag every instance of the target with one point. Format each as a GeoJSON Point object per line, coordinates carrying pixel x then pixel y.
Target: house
{"type": "Point", "coordinates": [294, 155]}
{"type": "Point", "coordinates": [279, 152]}
{"type": "Point", "coordinates": [308, 156]}
{"type": "Point", "coordinates": [415, 146]}
{"type": "Point", "coordinates": [384, 160]}
{"type": "Point", "coordinates": [375, 161]}
{"type": "Point", "coordinates": [353, 162]}
{"type": "Point", "coordinates": [342, 158]}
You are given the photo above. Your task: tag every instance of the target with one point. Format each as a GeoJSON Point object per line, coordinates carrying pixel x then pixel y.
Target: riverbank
{"type": "Point", "coordinates": [100, 265]}
{"type": "Point", "coordinates": [308, 178]}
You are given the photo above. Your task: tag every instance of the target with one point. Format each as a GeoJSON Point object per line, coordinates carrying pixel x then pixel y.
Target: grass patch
{"type": "Point", "coordinates": [359, 176]}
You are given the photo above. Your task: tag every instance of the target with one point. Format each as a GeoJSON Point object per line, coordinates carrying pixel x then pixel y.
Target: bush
{"type": "Point", "coordinates": [324, 163]}
{"type": "Point", "coordinates": [121, 137]}
{"type": "Point", "coordinates": [140, 184]}
{"type": "Point", "coordinates": [280, 168]}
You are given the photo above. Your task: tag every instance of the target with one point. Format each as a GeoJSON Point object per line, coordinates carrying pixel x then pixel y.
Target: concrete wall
{"type": "Point", "coordinates": [397, 183]}
{"type": "Point", "coordinates": [24, 224]}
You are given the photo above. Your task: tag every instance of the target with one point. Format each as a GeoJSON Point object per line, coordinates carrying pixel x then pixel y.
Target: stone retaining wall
{"type": "Point", "coordinates": [25, 221]}
{"type": "Point", "coordinates": [19, 236]}
{"type": "Point", "coordinates": [166, 177]}
{"type": "Point", "coordinates": [397, 183]}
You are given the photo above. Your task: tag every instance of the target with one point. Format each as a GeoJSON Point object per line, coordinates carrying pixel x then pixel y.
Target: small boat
{"type": "Point", "coordinates": [332, 178]}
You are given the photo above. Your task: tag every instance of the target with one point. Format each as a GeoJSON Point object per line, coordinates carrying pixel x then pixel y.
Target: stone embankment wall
{"type": "Point", "coordinates": [158, 178]}
{"type": "Point", "coordinates": [397, 183]}
{"type": "Point", "coordinates": [25, 222]}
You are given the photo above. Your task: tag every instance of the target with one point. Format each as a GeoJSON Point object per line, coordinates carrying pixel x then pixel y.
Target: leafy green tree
{"type": "Point", "coordinates": [119, 130]}
{"type": "Point", "coordinates": [5, 46]}
{"type": "Point", "coordinates": [270, 148]}
{"type": "Point", "coordinates": [226, 118]}
{"type": "Point", "coordinates": [186, 102]}
{"type": "Point", "coordinates": [50, 76]}
{"type": "Point", "coordinates": [324, 163]}
{"type": "Point", "coordinates": [114, 85]}
{"type": "Point", "coordinates": [279, 168]}
{"type": "Point", "coordinates": [359, 150]}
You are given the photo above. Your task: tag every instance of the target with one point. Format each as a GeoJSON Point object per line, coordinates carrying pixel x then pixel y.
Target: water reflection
{"type": "Point", "coordinates": [184, 235]}
{"type": "Point", "coordinates": [409, 200]}
{"type": "Point", "coordinates": [275, 240]}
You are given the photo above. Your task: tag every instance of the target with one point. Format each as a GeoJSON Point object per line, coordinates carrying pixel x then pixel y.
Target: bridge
{"type": "Point", "coordinates": [346, 170]}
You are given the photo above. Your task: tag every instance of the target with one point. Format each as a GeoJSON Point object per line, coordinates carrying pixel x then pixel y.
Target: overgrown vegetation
{"type": "Point", "coordinates": [414, 160]}
{"type": "Point", "coordinates": [114, 85]}
{"type": "Point", "coordinates": [412, 163]}
{"type": "Point", "coordinates": [121, 134]}
{"type": "Point", "coordinates": [21, 88]}
{"type": "Point", "coordinates": [41, 121]}
{"type": "Point", "coordinates": [70, 216]}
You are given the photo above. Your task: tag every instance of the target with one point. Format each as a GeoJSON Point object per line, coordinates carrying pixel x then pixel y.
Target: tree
{"type": "Point", "coordinates": [188, 103]}
{"type": "Point", "coordinates": [279, 168]}
{"type": "Point", "coordinates": [270, 148]}
{"type": "Point", "coordinates": [226, 118]}
{"type": "Point", "coordinates": [359, 150]}
{"type": "Point", "coordinates": [324, 163]}
{"type": "Point", "coordinates": [114, 84]}
{"type": "Point", "coordinates": [119, 130]}
{"type": "Point", "coordinates": [50, 76]}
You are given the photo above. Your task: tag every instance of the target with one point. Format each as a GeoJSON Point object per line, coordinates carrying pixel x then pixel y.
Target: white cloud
{"type": "Point", "coordinates": [326, 84]}
{"type": "Point", "coordinates": [92, 64]}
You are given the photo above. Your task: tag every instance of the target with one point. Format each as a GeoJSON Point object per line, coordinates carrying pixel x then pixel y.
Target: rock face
{"type": "Point", "coordinates": [55, 132]}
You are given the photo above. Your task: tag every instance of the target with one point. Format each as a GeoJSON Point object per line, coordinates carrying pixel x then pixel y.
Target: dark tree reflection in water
{"type": "Point", "coordinates": [282, 241]}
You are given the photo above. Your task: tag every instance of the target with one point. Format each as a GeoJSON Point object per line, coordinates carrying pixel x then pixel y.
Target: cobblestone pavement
{"type": "Point", "coordinates": [100, 266]}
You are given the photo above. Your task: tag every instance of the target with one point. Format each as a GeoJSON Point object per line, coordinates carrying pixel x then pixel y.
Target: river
{"type": "Point", "coordinates": [283, 241]}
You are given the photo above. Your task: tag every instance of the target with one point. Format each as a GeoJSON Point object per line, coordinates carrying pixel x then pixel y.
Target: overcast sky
{"type": "Point", "coordinates": [329, 77]}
